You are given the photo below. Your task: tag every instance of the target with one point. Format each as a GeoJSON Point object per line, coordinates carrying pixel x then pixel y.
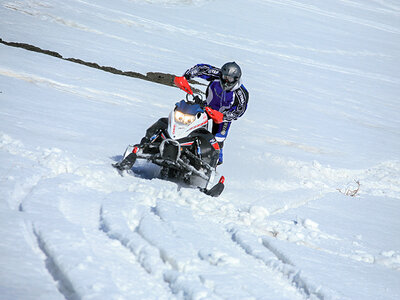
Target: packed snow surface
{"type": "Point", "coordinates": [312, 198]}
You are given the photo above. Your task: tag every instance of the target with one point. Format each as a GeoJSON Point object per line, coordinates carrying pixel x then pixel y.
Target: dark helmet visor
{"type": "Point", "coordinates": [228, 82]}
{"type": "Point", "coordinates": [228, 79]}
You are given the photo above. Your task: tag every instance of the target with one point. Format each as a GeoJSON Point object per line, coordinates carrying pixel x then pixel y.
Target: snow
{"type": "Point", "coordinates": [324, 86]}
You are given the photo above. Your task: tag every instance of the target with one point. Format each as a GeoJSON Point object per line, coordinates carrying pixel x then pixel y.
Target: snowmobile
{"type": "Point", "coordinates": [182, 145]}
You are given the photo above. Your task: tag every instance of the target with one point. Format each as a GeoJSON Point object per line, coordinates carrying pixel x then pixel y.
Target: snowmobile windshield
{"type": "Point", "coordinates": [185, 113]}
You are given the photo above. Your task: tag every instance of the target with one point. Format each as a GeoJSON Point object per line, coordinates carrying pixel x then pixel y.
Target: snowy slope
{"type": "Point", "coordinates": [324, 86]}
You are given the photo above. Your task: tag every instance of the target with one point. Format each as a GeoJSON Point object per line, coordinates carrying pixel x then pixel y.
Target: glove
{"type": "Point", "coordinates": [215, 115]}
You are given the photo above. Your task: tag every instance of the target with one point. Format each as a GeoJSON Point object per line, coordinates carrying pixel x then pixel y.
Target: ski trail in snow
{"type": "Point", "coordinates": [342, 17]}
{"type": "Point", "coordinates": [34, 10]}
{"type": "Point", "coordinates": [386, 9]}
{"type": "Point", "coordinates": [262, 49]}
{"type": "Point", "coordinates": [389, 5]}
{"type": "Point", "coordinates": [252, 46]}
{"type": "Point", "coordinates": [85, 92]}
{"type": "Point", "coordinates": [30, 10]}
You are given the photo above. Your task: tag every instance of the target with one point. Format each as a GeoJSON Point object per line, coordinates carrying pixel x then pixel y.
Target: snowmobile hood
{"type": "Point", "coordinates": [186, 118]}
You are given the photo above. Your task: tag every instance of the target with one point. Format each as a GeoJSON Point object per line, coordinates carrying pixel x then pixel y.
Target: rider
{"type": "Point", "coordinates": [225, 94]}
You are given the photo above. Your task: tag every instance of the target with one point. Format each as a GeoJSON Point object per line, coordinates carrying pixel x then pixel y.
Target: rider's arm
{"type": "Point", "coordinates": [203, 71]}
{"type": "Point", "coordinates": [239, 105]}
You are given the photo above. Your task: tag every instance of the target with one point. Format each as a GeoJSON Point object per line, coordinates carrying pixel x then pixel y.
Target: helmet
{"type": "Point", "coordinates": [230, 75]}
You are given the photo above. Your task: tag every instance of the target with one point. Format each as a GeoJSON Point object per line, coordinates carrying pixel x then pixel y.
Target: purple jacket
{"type": "Point", "coordinates": [231, 103]}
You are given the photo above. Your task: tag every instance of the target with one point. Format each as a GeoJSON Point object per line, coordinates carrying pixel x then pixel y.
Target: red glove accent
{"type": "Point", "coordinates": [182, 83]}
{"type": "Point", "coordinates": [215, 115]}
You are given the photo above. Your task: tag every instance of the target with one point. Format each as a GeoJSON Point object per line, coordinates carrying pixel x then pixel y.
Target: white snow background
{"type": "Point", "coordinates": [324, 112]}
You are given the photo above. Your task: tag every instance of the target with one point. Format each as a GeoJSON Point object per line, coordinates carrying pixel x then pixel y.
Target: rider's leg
{"type": "Point", "coordinates": [221, 132]}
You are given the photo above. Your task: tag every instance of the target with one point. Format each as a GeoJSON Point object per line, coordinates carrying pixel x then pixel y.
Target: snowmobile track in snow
{"type": "Point", "coordinates": [278, 263]}
{"type": "Point", "coordinates": [64, 285]}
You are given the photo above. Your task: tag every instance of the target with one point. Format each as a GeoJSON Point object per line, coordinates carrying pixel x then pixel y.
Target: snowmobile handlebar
{"type": "Point", "coordinates": [183, 84]}
{"type": "Point", "coordinates": [196, 99]}
{"type": "Point", "coordinates": [215, 115]}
